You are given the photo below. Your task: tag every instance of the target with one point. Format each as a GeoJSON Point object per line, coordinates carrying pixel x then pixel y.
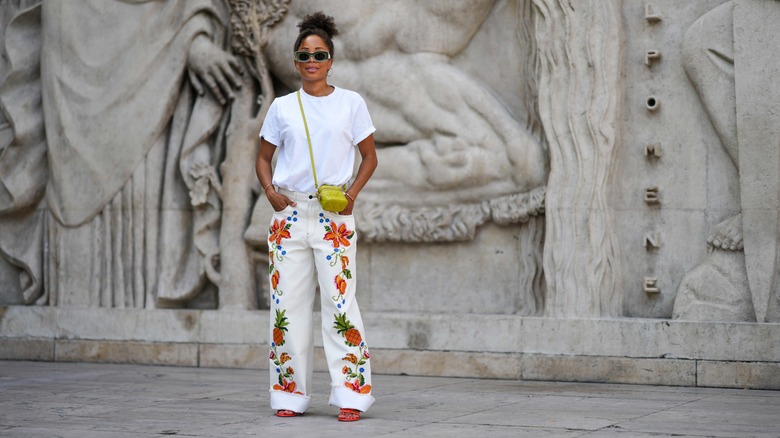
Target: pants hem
{"type": "Point", "coordinates": [285, 400]}
{"type": "Point", "coordinates": [346, 398]}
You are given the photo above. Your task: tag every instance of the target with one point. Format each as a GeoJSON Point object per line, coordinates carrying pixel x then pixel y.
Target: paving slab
{"type": "Point", "coordinates": [61, 399]}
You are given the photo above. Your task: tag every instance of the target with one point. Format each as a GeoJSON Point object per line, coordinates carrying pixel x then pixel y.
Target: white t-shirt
{"type": "Point", "coordinates": [337, 123]}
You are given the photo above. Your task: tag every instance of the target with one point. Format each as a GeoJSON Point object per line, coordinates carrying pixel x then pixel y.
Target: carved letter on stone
{"type": "Point", "coordinates": [651, 241]}
{"type": "Point", "coordinates": [653, 150]}
{"type": "Point", "coordinates": [652, 56]}
{"type": "Point", "coordinates": [651, 285]}
{"type": "Point", "coordinates": [652, 103]}
{"type": "Point", "coordinates": [651, 15]}
{"type": "Point", "coordinates": [651, 195]}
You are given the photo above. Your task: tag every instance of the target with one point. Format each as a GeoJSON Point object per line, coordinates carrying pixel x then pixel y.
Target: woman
{"type": "Point", "coordinates": [305, 240]}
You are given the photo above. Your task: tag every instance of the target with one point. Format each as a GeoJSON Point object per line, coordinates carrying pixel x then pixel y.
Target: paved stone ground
{"type": "Point", "coordinates": [43, 399]}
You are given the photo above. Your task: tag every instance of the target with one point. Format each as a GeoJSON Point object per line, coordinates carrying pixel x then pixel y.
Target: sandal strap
{"type": "Point", "coordinates": [348, 414]}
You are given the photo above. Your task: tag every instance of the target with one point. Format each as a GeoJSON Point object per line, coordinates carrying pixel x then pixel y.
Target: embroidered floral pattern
{"type": "Point", "coordinates": [353, 373]}
{"type": "Point", "coordinates": [286, 373]}
{"type": "Point", "coordinates": [277, 233]}
{"type": "Point", "coordinates": [339, 235]}
{"type": "Point", "coordinates": [279, 230]}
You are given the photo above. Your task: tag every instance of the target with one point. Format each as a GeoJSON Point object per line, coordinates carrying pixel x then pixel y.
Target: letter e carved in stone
{"type": "Point", "coordinates": [652, 196]}
{"type": "Point", "coordinates": [651, 285]}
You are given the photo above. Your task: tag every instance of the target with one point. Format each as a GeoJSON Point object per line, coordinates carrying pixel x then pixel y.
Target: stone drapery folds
{"type": "Point", "coordinates": [580, 60]}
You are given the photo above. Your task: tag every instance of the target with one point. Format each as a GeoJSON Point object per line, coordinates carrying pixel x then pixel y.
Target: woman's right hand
{"type": "Point", "coordinates": [278, 201]}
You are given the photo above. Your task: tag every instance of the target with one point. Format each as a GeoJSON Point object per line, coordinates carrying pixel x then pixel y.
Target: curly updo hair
{"type": "Point", "coordinates": [317, 24]}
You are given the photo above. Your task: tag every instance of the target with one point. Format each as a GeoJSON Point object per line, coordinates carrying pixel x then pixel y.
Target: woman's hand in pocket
{"type": "Point", "coordinates": [279, 201]}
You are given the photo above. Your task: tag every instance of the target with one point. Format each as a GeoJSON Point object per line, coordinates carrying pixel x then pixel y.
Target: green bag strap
{"type": "Point", "coordinates": [308, 138]}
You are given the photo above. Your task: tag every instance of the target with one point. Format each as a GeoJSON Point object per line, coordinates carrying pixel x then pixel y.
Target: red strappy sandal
{"type": "Point", "coordinates": [287, 413]}
{"type": "Point", "coordinates": [346, 414]}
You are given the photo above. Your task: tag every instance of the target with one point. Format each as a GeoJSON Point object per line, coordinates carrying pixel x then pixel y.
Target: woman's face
{"type": "Point", "coordinates": [312, 70]}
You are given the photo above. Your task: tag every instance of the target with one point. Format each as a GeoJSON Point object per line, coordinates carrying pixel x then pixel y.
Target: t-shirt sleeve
{"type": "Point", "coordinates": [362, 126]}
{"type": "Point", "coordinates": [271, 130]}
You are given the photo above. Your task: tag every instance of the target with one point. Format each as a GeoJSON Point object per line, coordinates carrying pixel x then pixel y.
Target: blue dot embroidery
{"type": "Point", "coordinates": [328, 257]}
{"type": "Point", "coordinates": [338, 305]}
{"type": "Point", "coordinates": [284, 252]}
{"type": "Point", "coordinates": [362, 370]}
{"type": "Point", "coordinates": [277, 301]}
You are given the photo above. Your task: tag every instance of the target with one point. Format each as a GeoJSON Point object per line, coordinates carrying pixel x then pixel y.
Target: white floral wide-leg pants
{"type": "Point", "coordinates": [309, 245]}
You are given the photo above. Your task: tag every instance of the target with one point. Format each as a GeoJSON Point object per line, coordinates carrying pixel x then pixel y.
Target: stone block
{"type": "Point", "coordinates": [27, 321]}
{"type": "Point", "coordinates": [253, 356]}
{"type": "Point", "coordinates": [749, 375]}
{"type": "Point", "coordinates": [239, 327]}
{"type": "Point", "coordinates": [603, 369]}
{"type": "Point", "coordinates": [447, 364]}
{"type": "Point", "coordinates": [746, 342]}
{"type": "Point", "coordinates": [151, 325]}
{"type": "Point", "coordinates": [444, 278]}
{"type": "Point", "coordinates": [26, 349]}
{"type": "Point", "coordinates": [146, 353]}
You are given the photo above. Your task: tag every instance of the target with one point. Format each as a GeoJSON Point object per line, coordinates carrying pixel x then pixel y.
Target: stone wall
{"type": "Point", "coordinates": [568, 190]}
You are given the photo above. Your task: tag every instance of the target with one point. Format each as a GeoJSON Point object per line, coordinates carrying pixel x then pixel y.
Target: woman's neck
{"type": "Point", "coordinates": [318, 89]}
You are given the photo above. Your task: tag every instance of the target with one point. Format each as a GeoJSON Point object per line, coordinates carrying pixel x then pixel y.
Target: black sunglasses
{"type": "Point", "coordinates": [319, 56]}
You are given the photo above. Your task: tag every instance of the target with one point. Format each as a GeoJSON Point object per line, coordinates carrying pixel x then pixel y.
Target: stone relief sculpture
{"type": "Point", "coordinates": [140, 213]}
{"type": "Point", "coordinates": [127, 138]}
{"type": "Point", "coordinates": [453, 156]}
{"type": "Point", "coordinates": [23, 165]}
{"type": "Point", "coordinates": [731, 58]}
{"type": "Point", "coordinates": [126, 144]}
{"type": "Point", "coordinates": [580, 59]}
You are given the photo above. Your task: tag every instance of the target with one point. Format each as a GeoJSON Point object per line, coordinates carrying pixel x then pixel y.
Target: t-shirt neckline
{"type": "Point", "coordinates": [335, 90]}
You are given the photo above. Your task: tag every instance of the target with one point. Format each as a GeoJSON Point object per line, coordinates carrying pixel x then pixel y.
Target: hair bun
{"type": "Point", "coordinates": [319, 20]}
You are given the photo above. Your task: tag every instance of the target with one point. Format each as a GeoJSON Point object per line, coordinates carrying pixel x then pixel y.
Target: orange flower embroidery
{"type": "Point", "coordinates": [279, 231]}
{"type": "Point", "coordinates": [341, 285]}
{"type": "Point", "coordinates": [344, 262]}
{"type": "Point", "coordinates": [339, 234]}
{"type": "Point", "coordinates": [286, 387]}
{"type": "Point", "coordinates": [355, 386]}
{"type": "Point", "coordinates": [275, 279]}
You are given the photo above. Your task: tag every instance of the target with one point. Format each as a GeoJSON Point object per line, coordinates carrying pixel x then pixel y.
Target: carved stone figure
{"type": "Point", "coordinates": [133, 98]}
{"type": "Point", "coordinates": [23, 164]}
{"type": "Point", "coordinates": [731, 58]}
{"type": "Point", "coordinates": [453, 156]}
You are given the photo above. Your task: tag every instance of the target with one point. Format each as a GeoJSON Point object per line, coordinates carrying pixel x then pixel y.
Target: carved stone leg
{"type": "Point", "coordinates": [708, 60]}
{"type": "Point", "coordinates": [715, 290]}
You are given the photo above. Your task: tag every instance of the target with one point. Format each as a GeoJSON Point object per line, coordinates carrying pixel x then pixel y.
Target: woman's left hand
{"type": "Point", "coordinates": [348, 209]}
